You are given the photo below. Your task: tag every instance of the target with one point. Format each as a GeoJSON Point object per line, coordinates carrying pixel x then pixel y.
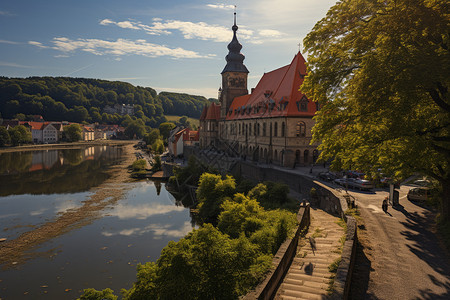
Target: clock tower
{"type": "Point", "coordinates": [234, 75]}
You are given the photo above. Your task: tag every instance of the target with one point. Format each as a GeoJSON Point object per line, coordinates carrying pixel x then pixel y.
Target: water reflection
{"type": "Point", "coordinates": [99, 254]}
{"type": "Point", "coordinates": [55, 171]}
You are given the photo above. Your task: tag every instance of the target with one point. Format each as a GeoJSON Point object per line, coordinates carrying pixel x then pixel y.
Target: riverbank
{"type": "Point", "coordinates": [75, 145]}
{"type": "Point", "coordinates": [16, 251]}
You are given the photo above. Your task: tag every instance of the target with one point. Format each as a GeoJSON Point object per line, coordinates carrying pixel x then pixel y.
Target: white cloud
{"type": "Point", "coordinates": [189, 30]}
{"type": "Point", "coordinates": [37, 44]}
{"type": "Point", "coordinates": [14, 65]}
{"type": "Point", "coordinates": [119, 47]}
{"type": "Point", "coordinates": [143, 211]}
{"type": "Point", "coordinates": [221, 6]}
{"type": "Point", "coordinates": [8, 42]}
{"type": "Point", "coordinates": [159, 230]}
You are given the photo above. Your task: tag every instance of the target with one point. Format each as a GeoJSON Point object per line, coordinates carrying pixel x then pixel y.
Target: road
{"type": "Point", "coordinates": [400, 257]}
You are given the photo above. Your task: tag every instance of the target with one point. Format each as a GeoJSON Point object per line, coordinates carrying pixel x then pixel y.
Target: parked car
{"type": "Point", "coordinates": [345, 181]}
{"type": "Point", "coordinates": [327, 176]}
{"type": "Point", "coordinates": [362, 184]}
{"type": "Point", "coordinates": [418, 194]}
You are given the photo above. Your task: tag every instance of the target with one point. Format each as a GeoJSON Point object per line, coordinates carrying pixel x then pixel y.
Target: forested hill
{"type": "Point", "coordinates": [82, 99]}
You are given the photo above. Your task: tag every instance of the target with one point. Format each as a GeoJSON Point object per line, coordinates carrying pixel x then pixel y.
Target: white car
{"type": "Point", "coordinates": [362, 184]}
{"type": "Point", "coordinates": [418, 194]}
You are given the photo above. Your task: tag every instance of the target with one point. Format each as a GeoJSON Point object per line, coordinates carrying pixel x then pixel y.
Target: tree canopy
{"type": "Point", "coordinates": [73, 132]}
{"type": "Point", "coordinates": [87, 100]}
{"type": "Point", "coordinates": [380, 72]}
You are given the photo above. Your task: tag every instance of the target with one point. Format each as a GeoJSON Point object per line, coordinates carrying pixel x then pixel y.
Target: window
{"type": "Point", "coordinates": [283, 129]}
{"type": "Point", "coordinates": [302, 105]}
{"type": "Point", "coordinates": [250, 129]}
{"type": "Point", "coordinates": [239, 128]}
{"type": "Point", "coordinates": [300, 129]}
{"type": "Point", "coordinates": [264, 129]}
{"type": "Point", "coordinates": [257, 127]}
{"type": "Point", "coordinates": [254, 129]}
{"type": "Point", "coordinates": [275, 129]}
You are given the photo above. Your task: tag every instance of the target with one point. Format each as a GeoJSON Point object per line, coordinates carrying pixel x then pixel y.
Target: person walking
{"type": "Point", "coordinates": [384, 206]}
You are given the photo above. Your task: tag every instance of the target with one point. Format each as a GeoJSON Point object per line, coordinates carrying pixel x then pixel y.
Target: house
{"type": "Point", "coordinates": [190, 138]}
{"type": "Point", "coordinates": [175, 141]}
{"type": "Point", "coordinates": [272, 124]}
{"type": "Point", "coordinates": [88, 133]}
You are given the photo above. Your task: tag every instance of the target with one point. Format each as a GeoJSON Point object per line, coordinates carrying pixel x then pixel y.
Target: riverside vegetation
{"type": "Point", "coordinates": [241, 228]}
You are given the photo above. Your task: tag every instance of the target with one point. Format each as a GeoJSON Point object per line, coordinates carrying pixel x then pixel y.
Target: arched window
{"type": "Point", "coordinates": [283, 129]}
{"type": "Point", "coordinates": [301, 128]}
{"type": "Point", "coordinates": [275, 129]}
{"type": "Point", "coordinates": [264, 129]}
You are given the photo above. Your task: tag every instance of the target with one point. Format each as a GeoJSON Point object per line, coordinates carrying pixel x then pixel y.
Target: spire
{"type": "Point", "coordinates": [235, 59]}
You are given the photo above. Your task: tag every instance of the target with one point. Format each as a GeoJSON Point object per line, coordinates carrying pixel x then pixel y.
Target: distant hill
{"type": "Point", "coordinates": [82, 99]}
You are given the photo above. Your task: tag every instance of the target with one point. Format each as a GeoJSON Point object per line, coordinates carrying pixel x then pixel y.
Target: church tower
{"type": "Point", "coordinates": [234, 75]}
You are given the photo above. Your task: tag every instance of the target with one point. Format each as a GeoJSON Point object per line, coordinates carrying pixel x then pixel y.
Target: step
{"type": "Point", "coordinates": [311, 278]}
{"type": "Point", "coordinates": [302, 294]}
{"type": "Point", "coordinates": [311, 284]}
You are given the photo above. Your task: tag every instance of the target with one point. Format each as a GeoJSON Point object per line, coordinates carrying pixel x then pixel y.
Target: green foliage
{"type": "Point", "coordinates": [84, 100]}
{"type": "Point", "coordinates": [273, 195]}
{"type": "Point", "coordinates": [135, 129]}
{"type": "Point", "coordinates": [212, 191]}
{"type": "Point", "coordinates": [139, 165]}
{"type": "Point", "coordinates": [4, 136]}
{"type": "Point", "coordinates": [165, 128]}
{"type": "Point", "coordinates": [206, 264]}
{"type": "Point", "coordinates": [19, 135]}
{"type": "Point", "coordinates": [73, 132]}
{"type": "Point", "coordinates": [93, 294]}
{"type": "Point", "coordinates": [158, 146]}
{"type": "Point", "coordinates": [376, 112]}
{"type": "Point", "coordinates": [152, 136]}
{"type": "Point", "coordinates": [183, 104]}
{"type": "Point", "coordinates": [157, 164]}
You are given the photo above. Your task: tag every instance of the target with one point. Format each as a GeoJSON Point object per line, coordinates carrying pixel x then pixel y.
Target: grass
{"type": "Point", "coordinates": [172, 118]}
{"type": "Point", "coordinates": [333, 269]}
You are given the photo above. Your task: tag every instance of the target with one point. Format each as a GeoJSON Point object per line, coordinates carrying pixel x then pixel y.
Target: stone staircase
{"type": "Point", "coordinates": [309, 276]}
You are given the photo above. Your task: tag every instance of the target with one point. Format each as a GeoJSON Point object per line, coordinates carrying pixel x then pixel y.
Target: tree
{"type": "Point", "coordinates": [212, 191]}
{"type": "Point", "coordinates": [4, 136]}
{"type": "Point", "coordinates": [158, 147]}
{"type": "Point", "coordinates": [152, 136]}
{"type": "Point", "coordinates": [93, 294]}
{"type": "Point", "coordinates": [19, 135]}
{"type": "Point", "coordinates": [165, 128]}
{"type": "Point", "coordinates": [73, 132]}
{"type": "Point", "coordinates": [380, 72]}
{"type": "Point", "coordinates": [135, 129]}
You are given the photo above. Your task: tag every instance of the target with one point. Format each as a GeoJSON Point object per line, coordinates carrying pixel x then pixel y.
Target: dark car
{"type": "Point", "coordinates": [327, 176]}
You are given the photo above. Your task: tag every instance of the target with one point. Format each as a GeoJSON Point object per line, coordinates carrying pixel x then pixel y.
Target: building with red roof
{"type": "Point", "coordinates": [272, 124]}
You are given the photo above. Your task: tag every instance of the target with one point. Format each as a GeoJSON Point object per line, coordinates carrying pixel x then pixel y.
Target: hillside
{"type": "Point", "coordinates": [90, 100]}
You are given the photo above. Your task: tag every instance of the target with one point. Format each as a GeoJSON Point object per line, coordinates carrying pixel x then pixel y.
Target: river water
{"type": "Point", "coordinates": [36, 188]}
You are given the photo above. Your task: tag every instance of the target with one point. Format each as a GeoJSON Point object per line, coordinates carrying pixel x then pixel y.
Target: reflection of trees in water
{"type": "Point", "coordinates": [75, 175]}
{"type": "Point", "coordinates": [15, 162]}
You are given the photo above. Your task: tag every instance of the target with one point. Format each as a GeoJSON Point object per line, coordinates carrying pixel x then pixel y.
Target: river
{"type": "Point", "coordinates": [69, 226]}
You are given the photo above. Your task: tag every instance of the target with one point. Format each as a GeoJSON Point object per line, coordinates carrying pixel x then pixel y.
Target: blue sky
{"type": "Point", "coordinates": [170, 45]}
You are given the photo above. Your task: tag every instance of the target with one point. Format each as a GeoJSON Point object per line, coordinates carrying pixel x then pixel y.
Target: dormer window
{"type": "Point", "coordinates": [302, 105]}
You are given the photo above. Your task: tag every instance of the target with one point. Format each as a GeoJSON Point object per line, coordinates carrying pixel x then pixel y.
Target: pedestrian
{"type": "Point", "coordinates": [384, 206]}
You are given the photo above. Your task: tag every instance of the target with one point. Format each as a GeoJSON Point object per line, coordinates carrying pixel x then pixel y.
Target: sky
{"type": "Point", "coordinates": [171, 45]}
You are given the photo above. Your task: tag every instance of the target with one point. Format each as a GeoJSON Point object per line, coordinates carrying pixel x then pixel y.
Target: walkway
{"type": "Point", "coordinates": [309, 276]}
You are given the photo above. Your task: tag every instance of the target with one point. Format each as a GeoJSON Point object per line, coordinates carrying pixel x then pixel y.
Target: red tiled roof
{"type": "Point", "coordinates": [203, 115]}
{"type": "Point", "coordinates": [274, 90]}
{"type": "Point", "coordinates": [213, 112]}
{"type": "Point", "coordinates": [190, 135]}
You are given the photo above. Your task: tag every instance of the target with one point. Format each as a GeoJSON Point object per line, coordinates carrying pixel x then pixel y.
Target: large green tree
{"type": "Point", "coordinates": [73, 132]}
{"type": "Point", "coordinates": [4, 136]}
{"type": "Point", "coordinates": [380, 72]}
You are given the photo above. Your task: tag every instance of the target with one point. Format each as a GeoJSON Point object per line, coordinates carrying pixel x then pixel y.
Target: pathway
{"type": "Point", "coordinates": [308, 276]}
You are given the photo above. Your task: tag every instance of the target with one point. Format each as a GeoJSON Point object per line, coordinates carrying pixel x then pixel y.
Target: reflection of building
{"type": "Point", "coordinates": [272, 124]}
{"type": "Point", "coordinates": [45, 160]}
